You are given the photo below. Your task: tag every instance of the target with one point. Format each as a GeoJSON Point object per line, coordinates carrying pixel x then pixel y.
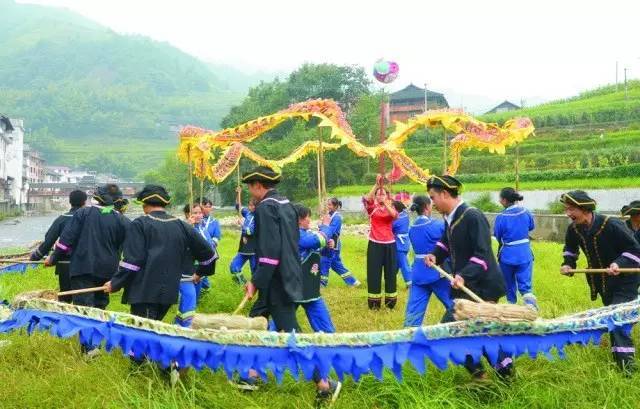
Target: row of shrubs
{"type": "Point", "coordinates": [562, 174]}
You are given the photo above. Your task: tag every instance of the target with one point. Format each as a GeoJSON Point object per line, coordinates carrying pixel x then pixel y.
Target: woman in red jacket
{"type": "Point", "coordinates": [381, 250]}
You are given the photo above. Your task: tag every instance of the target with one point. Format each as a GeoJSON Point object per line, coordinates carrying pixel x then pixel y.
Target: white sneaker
{"type": "Point", "coordinates": [174, 376]}
{"type": "Point", "coordinates": [93, 354]}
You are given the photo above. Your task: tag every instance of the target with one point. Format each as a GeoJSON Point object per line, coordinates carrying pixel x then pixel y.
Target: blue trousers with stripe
{"type": "Point", "coordinates": [318, 316]}
{"type": "Point", "coordinates": [238, 262]}
{"type": "Point", "coordinates": [418, 301]}
{"type": "Point", "coordinates": [187, 304]}
{"type": "Point", "coordinates": [333, 261]}
{"type": "Point", "coordinates": [402, 258]}
{"type": "Point", "coordinates": [517, 278]}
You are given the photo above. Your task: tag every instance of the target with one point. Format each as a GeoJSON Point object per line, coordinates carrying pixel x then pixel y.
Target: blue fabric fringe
{"type": "Point", "coordinates": [345, 360]}
{"type": "Point", "coordinates": [16, 268]}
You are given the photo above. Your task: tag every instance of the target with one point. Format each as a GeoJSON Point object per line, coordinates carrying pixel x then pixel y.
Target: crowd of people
{"type": "Point", "coordinates": [161, 260]}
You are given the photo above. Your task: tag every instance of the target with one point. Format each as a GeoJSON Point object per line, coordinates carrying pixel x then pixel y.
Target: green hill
{"type": "Point", "coordinates": [590, 140]}
{"type": "Point", "coordinates": [81, 87]}
{"type": "Point", "coordinates": [596, 133]}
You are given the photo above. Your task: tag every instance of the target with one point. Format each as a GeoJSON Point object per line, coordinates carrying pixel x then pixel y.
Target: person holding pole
{"type": "Point", "coordinates": [607, 244]}
{"type": "Point", "coordinates": [92, 241]}
{"type": "Point", "coordinates": [77, 200]}
{"type": "Point", "coordinates": [278, 277]}
{"type": "Point", "coordinates": [247, 246]}
{"type": "Point", "coordinates": [157, 250]}
{"type": "Point", "coordinates": [466, 242]}
{"type": "Point", "coordinates": [632, 210]}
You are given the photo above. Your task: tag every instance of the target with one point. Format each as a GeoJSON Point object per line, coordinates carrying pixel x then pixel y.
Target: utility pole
{"type": "Point", "coordinates": [626, 94]}
{"type": "Point", "coordinates": [616, 76]}
{"type": "Point", "coordinates": [425, 97]}
{"type": "Point", "coordinates": [426, 134]}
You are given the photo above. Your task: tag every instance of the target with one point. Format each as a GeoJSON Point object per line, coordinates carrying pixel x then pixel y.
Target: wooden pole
{"type": "Point", "coordinates": [517, 167]}
{"type": "Point", "coordinates": [603, 270]}
{"type": "Point", "coordinates": [444, 151]}
{"type": "Point", "coordinates": [383, 133]}
{"type": "Point", "coordinates": [82, 291]}
{"type": "Point", "coordinates": [239, 195]}
{"type": "Point", "coordinates": [319, 177]}
{"type": "Point", "coordinates": [241, 305]}
{"type": "Point", "coordinates": [323, 175]}
{"type": "Point", "coordinates": [449, 277]}
{"type": "Point", "coordinates": [190, 178]}
{"type": "Point", "coordinates": [201, 181]}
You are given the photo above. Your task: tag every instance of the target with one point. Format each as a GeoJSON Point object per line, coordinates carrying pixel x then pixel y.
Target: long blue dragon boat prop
{"type": "Point", "coordinates": [354, 354]}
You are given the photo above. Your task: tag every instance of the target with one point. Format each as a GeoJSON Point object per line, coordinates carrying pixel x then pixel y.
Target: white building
{"type": "Point", "coordinates": [33, 166]}
{"type": "Point", "coordinates": [13, 190]}
{"type": "Point", "coordinates": [52, 177]}
{"type": "Point", "coordinates": [62, 172]}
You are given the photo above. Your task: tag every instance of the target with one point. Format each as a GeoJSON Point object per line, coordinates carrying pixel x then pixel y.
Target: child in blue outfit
{"type": "Point", "coordinates": [210, 229]}
{"type": "Point", "coordinates": [400, 228]}
{"type": "Point", "coordinates": [309, 247]}
{"type": "Point", "coordinates": [247, 246]}
{"type": "Point", "coordinates": [424, 234]}
{"type": "Point", "coordinates": [332, 224]}
{"type": "Point", "coordinates": [511, 229]}
{"type": "Point", "coordinates": [188, 293]}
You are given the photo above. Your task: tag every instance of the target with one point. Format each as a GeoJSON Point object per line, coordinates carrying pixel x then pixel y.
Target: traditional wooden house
{"type": "Point", "coordinates": [409, 102]}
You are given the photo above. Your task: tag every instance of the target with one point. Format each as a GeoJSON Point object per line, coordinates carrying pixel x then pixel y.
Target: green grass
{"type": "Point", "coordinates": [41, 371]}
{"type": "Point", "coordinates": [603, 183]}
{"type": "Point", "coordinates": [605, 103]}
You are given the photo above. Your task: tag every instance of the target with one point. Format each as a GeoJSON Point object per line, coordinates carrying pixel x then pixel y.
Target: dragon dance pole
{"type": "Point", "coordinates": [517, 167]}
{"type": "Point", "coordinates": [323, 176]}
{"type": "Point", "coordinates": [383, 132]}
{"type": "Point", "coordinates": [202, 181]}
{"type": "Point", "coordinates": [444, 151]}
{"type": "Point", "coordinates": [319, 175]}
{"type": "Point", "coordinates": [190, 178]}
{"type": "Point", "coordinates": [239, 196]}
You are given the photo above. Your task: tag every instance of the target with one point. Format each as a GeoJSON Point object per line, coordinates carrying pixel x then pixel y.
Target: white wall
{"type": "Point", "coordinates": [14, 161]}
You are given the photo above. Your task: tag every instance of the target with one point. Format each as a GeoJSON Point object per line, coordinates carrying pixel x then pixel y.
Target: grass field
{"type": "Point", "coordinates": [40, 371]}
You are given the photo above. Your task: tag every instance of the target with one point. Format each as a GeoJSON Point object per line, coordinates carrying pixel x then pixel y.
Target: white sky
{"type": "Point", "coordinates": [531, 49]}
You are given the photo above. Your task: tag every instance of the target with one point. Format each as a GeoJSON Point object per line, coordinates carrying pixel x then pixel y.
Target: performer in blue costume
{"type": "Point", "coordinates": [400, 227]}
{"type": "Point", "coordinates": [511, 229]}
{"type": "Point", "coordinates": [331, 259]}
{"type": "Point", "coordinates": [466, 243]}
{"type": "Point", "coordinates": [424, 234]}
{"type": "Point", "coordinates": [309, 246]}
{"type": "Point", "coordinates": [188, 289]}
{"type": "Point", "coordinates": [210, 228]}
{"type": "Point", "coordinates": [247, 246]}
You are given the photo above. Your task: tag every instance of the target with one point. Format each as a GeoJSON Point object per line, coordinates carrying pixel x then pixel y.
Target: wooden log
{"type": "Point", "coordinates": [227, 321]}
